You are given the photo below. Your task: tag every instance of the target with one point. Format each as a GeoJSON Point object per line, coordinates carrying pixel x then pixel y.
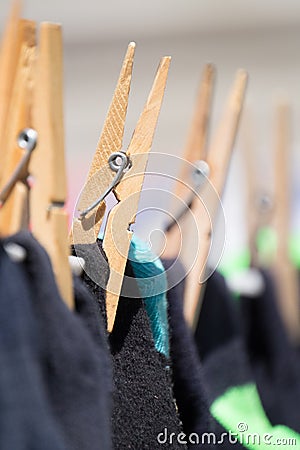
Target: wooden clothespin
{"type": "Point", "coordinates": [12, 41]}
{"type": "Point", "coordinates": [49, 220]}
{"type": "Point", "coordinates": [195, 149]}
{"type": "Point", "coordinates": [205, 211]}
{"type": "Point", "coordinates": [14, 214]}
{"type": "Point", "coordinates": [103, 179]}
{"type": "Point", "coordinates": [286, 276]}
{"type": "Point", "coordinates": [269, 208]}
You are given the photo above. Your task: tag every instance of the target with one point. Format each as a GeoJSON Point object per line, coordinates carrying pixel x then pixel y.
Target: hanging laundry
{"type": "Point", "coordinates": [26, 417]}
{"type": "Point", "coordinates": [236, 405]}
{"type": "Point", "coordinates": [274, 361]}
{"type": "Point", "coordinates": [143, 400]}
{"type": "Point", "coordinates": [235, 401]}
{"type": "Point", "coordinates": [71, 369]}
{"type": "Point", "coordinates": [89, 312]}
{"type": "Point", "coordinates": [217, 322]}
{"type": "Point", "coordinates": [189, 384]}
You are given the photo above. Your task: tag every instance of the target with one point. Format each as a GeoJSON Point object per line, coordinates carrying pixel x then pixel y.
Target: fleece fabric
{"type": "Point", "coordinates": [218, 322]}
{"type": "Point", "coordinates": [274, 361]}
{"type": "Point", "coordinates": [26, 417]}
{"type": "Point", "coordinates": [143, 403]}
{"type": "Point", "coordinates": [235, 402]}
{"type": "Point", "coordinates": [189, 385]}
{"type": "Point", "coordinates": [73, 373]}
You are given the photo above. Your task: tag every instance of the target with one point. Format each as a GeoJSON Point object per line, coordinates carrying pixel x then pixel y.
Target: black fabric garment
{"type": "Point", "coordinates": [96, 272]}
{"type": "Point", "coordinates": [72, 370]}
{"type": "Point", "coordinates": [189, 385]}
{"type": "Point", "coordinates": [217, 322]}
{"type": "Point", "coordinates": [26, 419]}
{"type": "Point", "coordinates": [143, 404]}
{"type": "Point", "coordinates": [224, 368]}
{"type": "Point", "coordinates": [220, 347]}
{"type": "Point", "coordinates": [231, 379]}
{"type": "Point", "coordinates": [273, 360]}
{"type": "Point", "coordinates": [88, 311]}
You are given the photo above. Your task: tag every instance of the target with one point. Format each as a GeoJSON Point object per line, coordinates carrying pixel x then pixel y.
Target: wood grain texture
{"type": "Point", "coordinates": [117, 235]}
{"type": "Point", "coordinates": [48, 218]}
{"type": "Point", "coordinates": [205, 211]}
{"type": "Point", "coordinates": [19, 117]}
{"type": "Point", "coordinates": [111, 140]}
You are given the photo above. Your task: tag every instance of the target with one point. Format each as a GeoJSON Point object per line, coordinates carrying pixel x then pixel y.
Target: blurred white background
{"type": "Point", "coordinates": [262, 37]}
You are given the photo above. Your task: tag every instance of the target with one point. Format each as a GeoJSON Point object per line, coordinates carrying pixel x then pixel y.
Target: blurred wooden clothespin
{"type": "Point", "coordinates": [14, 211]}
{"type": "Point", "coordinates": [49, 220]}
{"type": "Point", "coordinates": [269, 212]}
{"type": "Point", "coordinates": [195, 151]}
{"type": "Point", "coordinates": [216, 161]}
{"type": "Point", "coordinates": [286, 276]}
{"type": "Point", "coordinates": [13, 38]}
{"type": "Point", "coordinates": [218, 158]}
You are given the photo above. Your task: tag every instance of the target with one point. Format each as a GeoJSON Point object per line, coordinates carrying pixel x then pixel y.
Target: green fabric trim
{"type": "Point", "coordinates": [237, 262]}
{"type": "Point", "coordinates": [294, 249]}
{"type": "Point", "coordinates": [267, 242]}
{"type": "Point", "coordinates": [239, 410]}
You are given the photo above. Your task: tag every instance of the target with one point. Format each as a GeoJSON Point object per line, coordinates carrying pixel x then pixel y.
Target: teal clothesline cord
{"type": "Point", "coordinates": [152, 283]}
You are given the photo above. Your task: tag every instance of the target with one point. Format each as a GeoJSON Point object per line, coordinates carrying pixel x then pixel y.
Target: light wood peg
{"type": "Point", "coordinates": [19, 117]}
{"type": "Point", "coordinates": [196, 144]}
{"type": "Point", "coordinates": [285, 273]}
{"type": "Point", "coordinates": [48, 194]}
{"type": "Point", "coordinates": [218, 157]}
{"type": "Point", "coordinates": [195, 149]}
{"type": "Point", "coordinates": [100, 176]}
{"type": "Point", "coordinates": [12, 41]}
{"type": "Point", "coordinates": [117, 235]}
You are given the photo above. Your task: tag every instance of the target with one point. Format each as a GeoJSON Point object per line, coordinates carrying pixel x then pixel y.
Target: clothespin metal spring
{"type": "Point", "coordinates": [200, 175]}
{"type": "Point", "coordinates": [27, 140]}
{"type": "Point", "coordinates": [120, 163]}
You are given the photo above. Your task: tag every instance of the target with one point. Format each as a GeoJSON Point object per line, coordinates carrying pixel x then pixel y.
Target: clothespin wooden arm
{"type": "Point", "coordinates": [48, 218]}
{"type": "Point", "coordinates": [100, 176]}
{"type": "Point", "coordinates": [19, 117]}
{"type": "Point", "coordinates": [250, 167]}
{"type": "Point", "coordinates": [218, 160]}
{"type": "Point", "coordinates": [195, 148]}
{"type": "Point", "coordinates": [286, 275]}
{"type": "Point", "coordinates": [117, 236]}
{"type": "Point", "coordinates": [12, 41]}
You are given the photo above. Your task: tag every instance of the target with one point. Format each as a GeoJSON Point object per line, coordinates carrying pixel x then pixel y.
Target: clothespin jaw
{"type": "Point", "coordinates": [85, 230]}
{"type": "Point", "coordinates": [19, 117]}
{"type": "Point", "coordinates": [49, 220]}
{"type": "Point", "coordinates": [218, 158]}
{"type": "Point", "coordinates": [117, 235]}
